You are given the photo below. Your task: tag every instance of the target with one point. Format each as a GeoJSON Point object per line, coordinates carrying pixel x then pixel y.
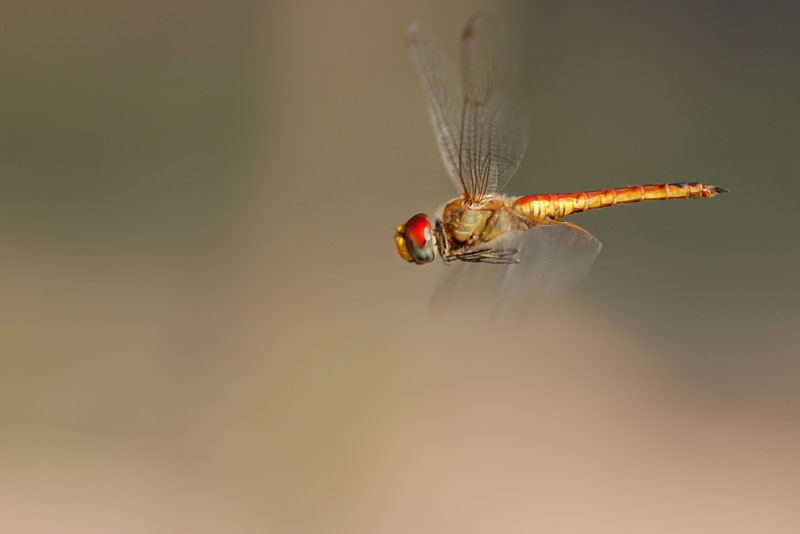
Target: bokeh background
{"type": "Point", "coordinates": [204, 326]}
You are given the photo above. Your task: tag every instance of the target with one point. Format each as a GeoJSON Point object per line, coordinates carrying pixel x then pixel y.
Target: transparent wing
{"type": "Point", "coordinates": [494, 131]}
{"type": "Point", "coordinates": [552, 259]}
{"type": "Point", "coordinates": [443, 91]}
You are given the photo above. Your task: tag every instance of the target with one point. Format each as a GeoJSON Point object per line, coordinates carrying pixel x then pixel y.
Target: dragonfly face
{"type": "Point", "coordinates": [415, 240]}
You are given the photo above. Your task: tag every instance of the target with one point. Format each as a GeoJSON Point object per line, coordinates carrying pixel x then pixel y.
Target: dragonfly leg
{"type": "Point", "coordinates": [441, 242]}
{"type": "Point", "coordinates": [490, 255]}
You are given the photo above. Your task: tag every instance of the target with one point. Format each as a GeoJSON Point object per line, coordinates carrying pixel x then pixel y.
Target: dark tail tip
{"type": "Point", "coordinates": [719, 190]}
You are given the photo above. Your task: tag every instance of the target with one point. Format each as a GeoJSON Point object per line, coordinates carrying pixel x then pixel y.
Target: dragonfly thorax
{"type": "Point", "coordinates": [467, 225]}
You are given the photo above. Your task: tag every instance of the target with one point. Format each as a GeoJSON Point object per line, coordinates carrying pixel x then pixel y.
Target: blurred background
{"type": "Point", "coordinates": [205, 327]}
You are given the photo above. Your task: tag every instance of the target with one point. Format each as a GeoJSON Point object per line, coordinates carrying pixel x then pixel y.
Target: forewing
{"type": "Point", "coordinates": [444, 94]}
{"type": "Point", "coordinates": [552, 259]}
{"type": "Point", "coordinates": [494, 131]}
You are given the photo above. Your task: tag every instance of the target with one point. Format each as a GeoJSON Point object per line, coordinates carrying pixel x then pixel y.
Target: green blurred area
{"type": "Point", "coordinates": [126, 123]}
{"type": "Point", "coordinates": [205, 326]}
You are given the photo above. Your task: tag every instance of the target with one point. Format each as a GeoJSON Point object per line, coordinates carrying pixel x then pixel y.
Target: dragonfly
{"type": "Point", "coordinates": [482, 133]}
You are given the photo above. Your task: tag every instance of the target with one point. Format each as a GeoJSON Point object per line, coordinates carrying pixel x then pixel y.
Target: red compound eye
{"type": "Point", "coordinates": [418, 229]}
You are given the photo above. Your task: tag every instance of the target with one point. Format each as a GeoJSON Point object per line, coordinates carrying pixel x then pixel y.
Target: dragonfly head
{"type": "Point", "coordinates": [415, 241]}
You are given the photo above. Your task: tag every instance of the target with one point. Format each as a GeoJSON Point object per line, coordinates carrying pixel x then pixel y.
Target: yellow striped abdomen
{"type": "Point", "coordinates": [555, 206]}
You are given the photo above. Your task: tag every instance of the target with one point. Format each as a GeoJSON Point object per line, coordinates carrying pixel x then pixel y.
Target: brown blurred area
{"type": "Point", "coordinates": [204, 326]}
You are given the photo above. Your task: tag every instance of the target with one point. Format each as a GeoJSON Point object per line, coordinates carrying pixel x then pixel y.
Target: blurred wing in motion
{"type": "Point", "coordinates": [443, 91]}
{"type": "Point", "coordinates": [494, 131]}
{"type": "Point", "coordinates": [552, 258]}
